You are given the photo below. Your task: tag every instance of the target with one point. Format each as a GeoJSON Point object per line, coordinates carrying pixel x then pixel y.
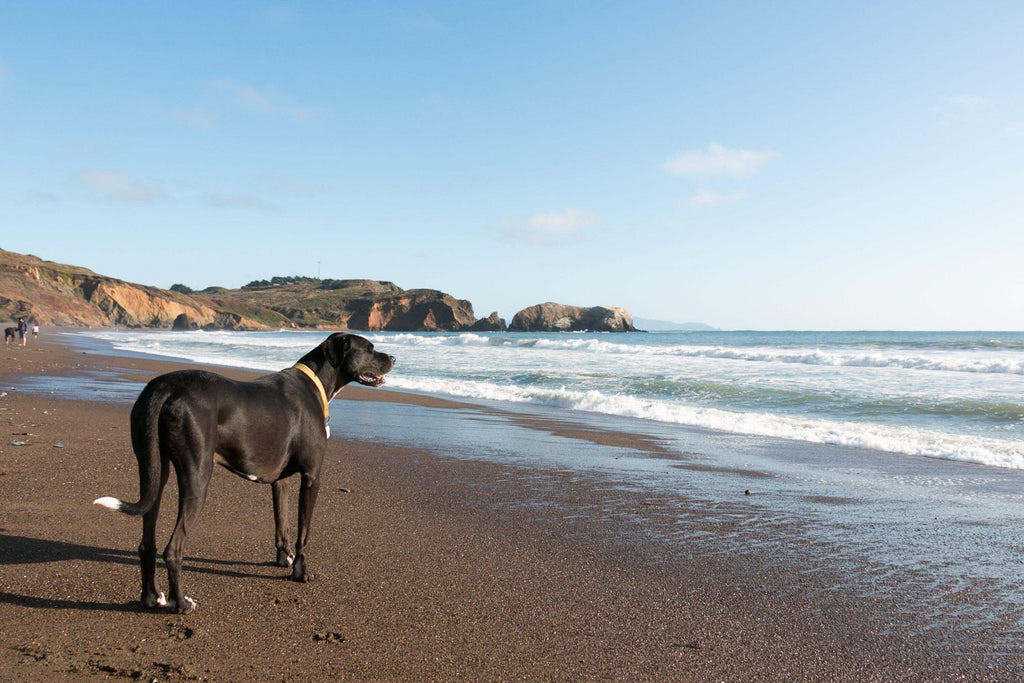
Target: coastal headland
{"type": "Point", "coordinates": [56, 294]}
{"type": "Point", "coordinates": [431, 565]}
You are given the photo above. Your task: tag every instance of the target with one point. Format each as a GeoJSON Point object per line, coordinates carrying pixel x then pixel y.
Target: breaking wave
{"type": "Point", "coordinates": [877, 359]}
{"type": "Point", "coordinates": [985, 451]}
{"type": "Point", "coordinates": [958, 396]}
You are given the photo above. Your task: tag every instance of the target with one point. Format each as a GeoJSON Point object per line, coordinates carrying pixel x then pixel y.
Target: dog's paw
{"type": "Point", "coordinates": [284, 559]}
{"type": "Point", "coordinates": [152, 601]}
{"type": "Point", "coordinates": [303, 576]}
{"type": "Point", "coordinates": [186, 606]}
{"type": "Point", "coordinates": [299, 571]}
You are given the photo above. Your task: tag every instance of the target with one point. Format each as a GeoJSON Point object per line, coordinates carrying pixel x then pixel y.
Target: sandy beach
{"type": "Point", "coordinates": [433, 565]}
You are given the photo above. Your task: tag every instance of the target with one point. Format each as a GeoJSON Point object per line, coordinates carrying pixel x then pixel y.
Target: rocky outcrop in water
{"type": "Point", "coordinates": [552, 317]}
{"type": "Point", "coordinates": [492, 323]}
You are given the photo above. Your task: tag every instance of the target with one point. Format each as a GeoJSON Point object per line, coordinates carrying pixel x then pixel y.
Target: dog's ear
{"type": "Point", "coordinates": [335, 348]}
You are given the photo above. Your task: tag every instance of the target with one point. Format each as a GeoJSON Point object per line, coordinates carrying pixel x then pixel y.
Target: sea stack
{"type": "Point", "coordinates": [552, 317]}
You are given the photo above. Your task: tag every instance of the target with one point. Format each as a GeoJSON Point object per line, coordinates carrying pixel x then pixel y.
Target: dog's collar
{"type": "Point", "coordinates": [319, 386]}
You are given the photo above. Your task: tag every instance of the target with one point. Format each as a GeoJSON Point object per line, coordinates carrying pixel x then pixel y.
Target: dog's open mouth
{"type": "Point", "coordinates": [371, 380]}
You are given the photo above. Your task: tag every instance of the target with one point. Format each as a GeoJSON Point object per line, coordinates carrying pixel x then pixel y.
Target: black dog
{"type": "Point", "coordinates": [9, 333]}
{"type": "Point", "coordinates": [263, 430]}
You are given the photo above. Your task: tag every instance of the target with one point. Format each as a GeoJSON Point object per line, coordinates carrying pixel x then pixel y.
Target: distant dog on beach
{"type": "Point", "coordinates": [264, 430]}
{"type": "Point", "coordinates": [9, 334]}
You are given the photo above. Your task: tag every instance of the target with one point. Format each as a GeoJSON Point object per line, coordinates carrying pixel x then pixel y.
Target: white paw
{"type": "Point", "coordinates": [291, 560]}
{"type": "Point", "coordinates": [149, 602]}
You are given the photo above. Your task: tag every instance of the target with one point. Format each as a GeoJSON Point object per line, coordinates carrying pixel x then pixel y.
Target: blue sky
{"type": "Point", "coordinates": [749, 165]}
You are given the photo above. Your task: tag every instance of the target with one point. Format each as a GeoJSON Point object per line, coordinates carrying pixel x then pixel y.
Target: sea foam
{"type": "Point", "coordinates": [946, 395]}
{"type": "Point", "coordinates": [879, 359]}
{"type": "Point", "coordinates": [906, 440]}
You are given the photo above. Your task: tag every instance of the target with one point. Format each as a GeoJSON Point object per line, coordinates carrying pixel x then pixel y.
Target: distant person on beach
{"type": "Point", "coordinates": [22, 330]}
{"type": "Point", "coordinates": [35, 331]}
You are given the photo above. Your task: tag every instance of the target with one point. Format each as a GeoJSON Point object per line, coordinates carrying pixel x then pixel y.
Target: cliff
{"type": "Point", "coordinates": [368, 305]}
{"type": "Point", "coordinates": [62, 295]}
{"type": "Point", "coordinates": [58, 294]}
{"type": "Point", "coordinates": [551, 317]}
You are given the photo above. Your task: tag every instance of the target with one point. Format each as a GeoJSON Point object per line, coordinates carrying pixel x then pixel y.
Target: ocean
{"type": "Point", "coordinates": [949, 395]}
{"type": "Point", "coordinates": [881, 464]}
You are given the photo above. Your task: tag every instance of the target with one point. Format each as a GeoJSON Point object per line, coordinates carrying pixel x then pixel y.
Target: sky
{"type": "Point", "coordinates": [749, 165]}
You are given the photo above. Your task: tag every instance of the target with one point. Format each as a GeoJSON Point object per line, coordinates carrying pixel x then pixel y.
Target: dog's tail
{"type": "Point", "coordinates": [146, 444]}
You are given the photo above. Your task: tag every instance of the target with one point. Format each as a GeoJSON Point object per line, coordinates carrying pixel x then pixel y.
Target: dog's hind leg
{"type": "Point", "coordinates": [151, 597]}
{"type": "Point", "coordinates": [192, 486]}
{"type": "Point", "coordinates": [307, 500]}
{"type": "Point", "coordinates": [187, 442]}
{"type": "Point", "coordinates": [281, 541]}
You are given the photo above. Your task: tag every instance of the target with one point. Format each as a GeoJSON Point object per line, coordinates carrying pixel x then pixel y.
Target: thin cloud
{"type": "Point", "coordinates": [303, 114]}
{"type": "Point", "coordinates": [195, 117]}
{"type": "Point", "coordinates": [119, 186]}
{"type": "Point", "coordinates": [435, 102]}
{"type": "Point", "coordinates": [711, 197]}
{"type": "Point", "coordinates": [717, 160]}
{"type": "Point", "coordinates": [253, 99]}
{"type": "Point", "coordinates": [422, 21]}
{"type": "Point", "coordinates": [558, 227]}
{"type": "Point", "coordinates": [289, 185]}
{"type": "Point", "coordinates": [240, 201]}
{"type": "Point", "coordinates": [40, 198]}
{"type": "Point", "coordinates": [247, 96]}
{"type": "Point", "coordinates": [969, 104]}
{"type": "Point", "coordinates": [278, 16]}
{"type": "Point", "coordinates": [958, 109]}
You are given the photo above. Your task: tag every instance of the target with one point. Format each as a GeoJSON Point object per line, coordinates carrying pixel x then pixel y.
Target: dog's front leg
{"type": "Point", "coordinates": [307, 500]}
{"type": "Point", "coordinates": [280, 492]}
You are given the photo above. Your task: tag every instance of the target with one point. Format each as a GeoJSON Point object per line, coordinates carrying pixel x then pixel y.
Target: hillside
{"type": "Point", "coordinates": [56, 294]}
{"type": "Point", "coordinates": [59, 294]}
{"type": "Point", "coordinates": [348, 304]}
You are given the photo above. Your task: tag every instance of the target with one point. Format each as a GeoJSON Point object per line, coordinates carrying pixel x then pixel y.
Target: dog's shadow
{"type": "Point", "coordinates": [24, 550]}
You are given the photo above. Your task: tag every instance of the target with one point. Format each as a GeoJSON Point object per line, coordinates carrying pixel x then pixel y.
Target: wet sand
{"type": "Point", "coordinates": [429, 566]}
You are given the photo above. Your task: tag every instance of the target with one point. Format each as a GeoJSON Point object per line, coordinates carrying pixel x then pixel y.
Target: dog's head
{"type": "Point", "coordinates": [354, 360]}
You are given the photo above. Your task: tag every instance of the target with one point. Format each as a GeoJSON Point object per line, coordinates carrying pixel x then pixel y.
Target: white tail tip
{"type": "Point", "coordinates": [108, 502]}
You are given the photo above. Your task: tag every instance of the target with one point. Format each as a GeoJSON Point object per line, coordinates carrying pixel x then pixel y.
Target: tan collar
{"type": "Point", "coordinates": [319, 385]}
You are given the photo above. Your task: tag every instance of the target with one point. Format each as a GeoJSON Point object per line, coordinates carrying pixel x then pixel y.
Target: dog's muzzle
{"type": "Point", "coordinates": [372, 379]}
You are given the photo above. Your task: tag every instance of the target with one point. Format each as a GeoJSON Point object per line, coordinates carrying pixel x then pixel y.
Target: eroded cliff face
{"type": "Point", "coordinates": [425, 310]}
{"type": "Point", "coordinates": [57, 294]}
{"type": "Point", "coordinates": [54, 294]}
{"type": "Point", "coordinates": [131, 306]}
{"type": "Point", "coordinates": [63, 295]}
{"type": "Point", "coordinates": [552, 317]}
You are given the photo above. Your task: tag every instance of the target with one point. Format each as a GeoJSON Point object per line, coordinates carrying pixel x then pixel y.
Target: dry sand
{"type": "Point", "coordinates": [428, 568]}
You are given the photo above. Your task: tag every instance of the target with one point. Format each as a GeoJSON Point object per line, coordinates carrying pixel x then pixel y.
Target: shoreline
{"type": "Point", "coordinates": [699, 388]}
{"type": "Point", "coordinates": [444, 564]}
